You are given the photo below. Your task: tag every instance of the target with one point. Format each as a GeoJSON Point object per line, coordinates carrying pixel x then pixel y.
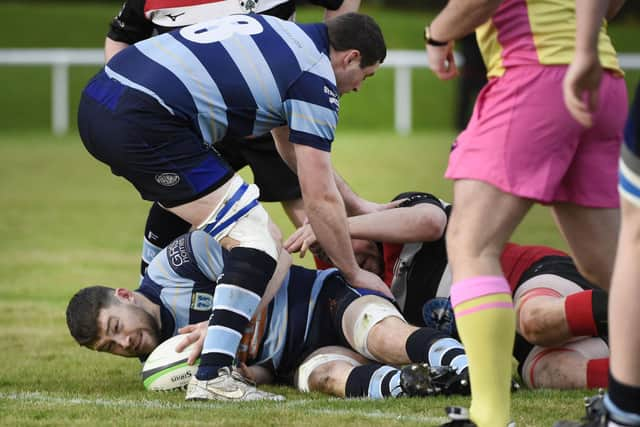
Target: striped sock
{"type": "Point", "coordinates": [236, 297]}
{"type": "Point", "coordinates": [486, 323]}
{"type": "Point", "coordinates": [374, 381]}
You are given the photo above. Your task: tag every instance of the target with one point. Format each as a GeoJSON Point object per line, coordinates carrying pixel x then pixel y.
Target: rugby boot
{"type": "Point", "coordinates": [596, 414]}
{"type": "Point", "coordinates": [420, 379]}
{"type": "Point", "coordinates": [229, 385]}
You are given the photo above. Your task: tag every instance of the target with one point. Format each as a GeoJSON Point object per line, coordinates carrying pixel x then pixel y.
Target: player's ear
{"type": "Point", "coordinates": [353, 55]}
{"type": "Point", "coordinates": [124, 295]}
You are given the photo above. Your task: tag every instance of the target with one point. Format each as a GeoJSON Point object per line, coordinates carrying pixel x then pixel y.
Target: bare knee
{"type": "Point", "coordinates": [541, 322]}
{"type": "Point", "coordinates": [322, 378]}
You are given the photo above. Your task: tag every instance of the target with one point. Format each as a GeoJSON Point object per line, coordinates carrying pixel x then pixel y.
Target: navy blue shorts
{"type": "Point", "coordinates": [161, 154]}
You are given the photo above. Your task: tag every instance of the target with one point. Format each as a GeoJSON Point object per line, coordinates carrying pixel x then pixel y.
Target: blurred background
{"type": "Point", "coordinates": [25, 101]}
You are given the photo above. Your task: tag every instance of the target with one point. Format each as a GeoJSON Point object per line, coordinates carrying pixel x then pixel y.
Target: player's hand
{"type": "Point", "coordinates": [580, 86]}
{"type": "Point", "coordinates": [193, 334]}
{"type": "Point", "coordinates": [441, 61]}
{"type": "Point", "coordinates": [367, 280]}
{"type": "Point", "coordinates": [301, 240]}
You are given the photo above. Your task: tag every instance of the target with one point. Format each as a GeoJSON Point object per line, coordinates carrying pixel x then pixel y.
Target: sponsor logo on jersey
{"type": "Point", "coordinates": [167, 179]}
{"type": "Point", "coordinates": [177, 252]}
{"type": "Point", "coordinates": [174, 17]}
{"type": "Point", "coordinates": [201, 301]}
{"type": "Point", "coordinates": [333, 96]}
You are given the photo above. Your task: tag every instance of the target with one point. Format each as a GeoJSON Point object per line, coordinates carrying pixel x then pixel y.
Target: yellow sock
{"type": "Point", "coordinates": [486, 323]}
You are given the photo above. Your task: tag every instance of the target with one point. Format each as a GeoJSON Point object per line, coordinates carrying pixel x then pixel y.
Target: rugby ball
{"type": "Point", "coordinates": [165, 369]}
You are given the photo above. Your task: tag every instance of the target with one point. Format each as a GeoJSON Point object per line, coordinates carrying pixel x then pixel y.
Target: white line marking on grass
{"type": "Point", "coordinates": [159, 404]}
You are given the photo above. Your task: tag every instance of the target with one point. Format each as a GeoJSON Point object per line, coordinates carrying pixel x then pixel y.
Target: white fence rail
{"type": "Point", "coordinates": [402, 61]}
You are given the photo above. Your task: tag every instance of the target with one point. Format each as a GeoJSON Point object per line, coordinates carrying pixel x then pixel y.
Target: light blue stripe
{"type": "Point", "coordinates": [394, 385]}
{"type": "Point", "coordinates": [324, 70]}
{"type": "Point", "coordinates": [161, 273]}
{"type": "Point", "coordinates": [221, 340]}
{"type": "Point", "coordinates": [274, 344]}
{"type": "Point", "coordinates": [125, 81]}
{"type": "Point", "coordinates": [440, 348]}
{"type": "Point", "coordinates": [258, 77]}
{"type": "Point", "coordinates": [459, 363]}
{"type": "Point", "coordinates": [177, 58]}
{"type": "Point", "coordinates": [313, 298]}
{"type": "Point", "coordinates": [303, 48]}
{"type": "Point", "coordinates": [627, 418]}
{"type": "Point", "coordinates": [208, 254]}
{"type": "Point", "coordinates": [149, 251]}
{"type": "Point", "coordinates": [236, 299]}
{"type": "Point", "coordinates": [375, 384]}
{"type": "Point", "coordinates": [311, 118]}
{"type": "Point", "coordinates": [178, 302]}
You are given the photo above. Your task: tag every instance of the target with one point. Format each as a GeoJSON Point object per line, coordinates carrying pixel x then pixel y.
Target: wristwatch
{"type": "Point", "coordinates": [432, 42]}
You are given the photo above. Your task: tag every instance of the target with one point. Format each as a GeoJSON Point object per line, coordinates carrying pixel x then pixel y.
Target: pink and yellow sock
{"type": "Point", "coordinates": [486, 323]}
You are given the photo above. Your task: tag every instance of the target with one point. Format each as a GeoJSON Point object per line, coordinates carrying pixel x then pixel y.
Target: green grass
{"type": "Point", "coordinates": [25, 101]}
{"type": "Point", "coordinates": [66, 222]}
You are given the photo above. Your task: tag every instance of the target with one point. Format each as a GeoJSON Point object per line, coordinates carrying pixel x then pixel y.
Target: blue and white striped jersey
{"type": "Point", "coordinates": [181, 279]}
{"type": "Point", "coordinates": [241, 75]}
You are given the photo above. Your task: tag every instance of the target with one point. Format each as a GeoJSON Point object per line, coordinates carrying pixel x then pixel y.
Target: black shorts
{"type": "Point", "coordinates": [271, 174]}
{"type": "Point", "coordinates": [158, 152]}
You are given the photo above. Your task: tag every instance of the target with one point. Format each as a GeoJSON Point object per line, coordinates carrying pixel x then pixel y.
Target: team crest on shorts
{"type": "Point", "coordinates": [167, 179]}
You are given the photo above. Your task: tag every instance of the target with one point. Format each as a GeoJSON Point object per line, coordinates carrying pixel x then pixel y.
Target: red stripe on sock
{"type": "Point", "coordinates": [536, 359]}
{"type": "Point", "coordinates": [579, 311]}
{"type": "Point", "coordinates": [598, 373]}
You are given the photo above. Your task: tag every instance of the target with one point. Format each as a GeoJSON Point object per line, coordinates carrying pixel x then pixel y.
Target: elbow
{"type": "Point", "coordinates": [431, 224]}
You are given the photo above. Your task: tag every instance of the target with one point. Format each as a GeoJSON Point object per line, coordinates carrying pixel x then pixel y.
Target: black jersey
{"type": "Point", "coordinates": [141, 19]}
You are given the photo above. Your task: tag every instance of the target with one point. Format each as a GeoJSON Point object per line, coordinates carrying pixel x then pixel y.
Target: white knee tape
{"type": "Point", "coordinates": [250, 229]}
{"type": "Point", "coordinates": [371, 310]}
{"type": "Point", "coordinates": [306, 368]}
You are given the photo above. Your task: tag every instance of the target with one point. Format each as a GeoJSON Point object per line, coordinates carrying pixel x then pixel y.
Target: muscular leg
{"type": "Point", "coordinates": [551, 310]}
{"type": "Point", "coordinates": [481, 223]}
{"type": "Point", "coordinates": [251, 263]}
{"type": "Point", "coordinates": [580, 364]}
{"type": "Point", "coordinates": [592, 235]}
{"type": "Point", "coordinates": [376, 329]}
{"type": "Point", "coordinates": [624, 315]}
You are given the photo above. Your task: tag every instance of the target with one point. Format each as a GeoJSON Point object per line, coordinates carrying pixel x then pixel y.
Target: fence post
{"type": "Point", "coordinates": [60, 98]}
{"type": "Point", "coordinates": [402, 99]}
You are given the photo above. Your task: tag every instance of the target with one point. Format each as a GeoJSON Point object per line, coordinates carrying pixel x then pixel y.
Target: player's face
{"type": "Point", "coordinates": [350, 78]}
{"type": "Point", "coordinates": [368, 256]}
{"type": "Point", "coordinates": [127, 330]}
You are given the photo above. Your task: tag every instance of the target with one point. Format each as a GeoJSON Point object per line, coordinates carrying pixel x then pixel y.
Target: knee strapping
{"type": "Point", "coordinates": [370, 310]}
{"type": "Point", "coordinates": [306, 368]}
{"type": "Point", "coordinates": [240, 217]}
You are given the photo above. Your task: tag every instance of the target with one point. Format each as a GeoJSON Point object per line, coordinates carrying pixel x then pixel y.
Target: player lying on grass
{"type": "Point", "coordinates": [309, 311]}
{"type": "Point", "coordinates": [561, 317]}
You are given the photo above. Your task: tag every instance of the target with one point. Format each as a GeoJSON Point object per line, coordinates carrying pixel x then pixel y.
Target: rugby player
{"type": "Point", "coordinates": [318, 332]}
{"type": "Point", "coordinates": [154, 111]}
{"type": "Point", "coordinates": [561, 317]}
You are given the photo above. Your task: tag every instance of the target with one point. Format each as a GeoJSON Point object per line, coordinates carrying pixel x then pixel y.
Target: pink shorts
{"type": "Point", "coordinates": [522, 140]}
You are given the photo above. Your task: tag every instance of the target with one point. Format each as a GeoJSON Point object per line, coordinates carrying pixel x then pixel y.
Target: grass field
{"type": "Point", "coordinates": [66, 222]}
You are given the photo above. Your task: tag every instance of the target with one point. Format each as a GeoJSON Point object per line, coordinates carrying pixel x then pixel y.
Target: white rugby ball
{"type": "Point", "coordinates": [165, 369]}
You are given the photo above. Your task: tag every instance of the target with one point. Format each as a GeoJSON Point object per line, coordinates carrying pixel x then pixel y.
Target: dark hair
{"type": "Point", "coordinates": [360, 32]}
{"type": "Point", "coordinates": [83, 310]}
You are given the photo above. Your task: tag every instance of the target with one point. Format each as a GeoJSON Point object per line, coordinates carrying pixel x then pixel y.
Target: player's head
{"type": "Point", "coordinates": [110, 320]}
{"type": "Point", "coordinates": [357, 49]}
{"type": "Point", "coordinates": [368, 256]}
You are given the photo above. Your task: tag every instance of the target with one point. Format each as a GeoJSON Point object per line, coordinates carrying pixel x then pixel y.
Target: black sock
{"type": "Point", "coordinates": [161, 229]}
{"type": "Point", "coordinates": [626, 398]}
{"type": "Point", "coordinates": [374, 381]}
